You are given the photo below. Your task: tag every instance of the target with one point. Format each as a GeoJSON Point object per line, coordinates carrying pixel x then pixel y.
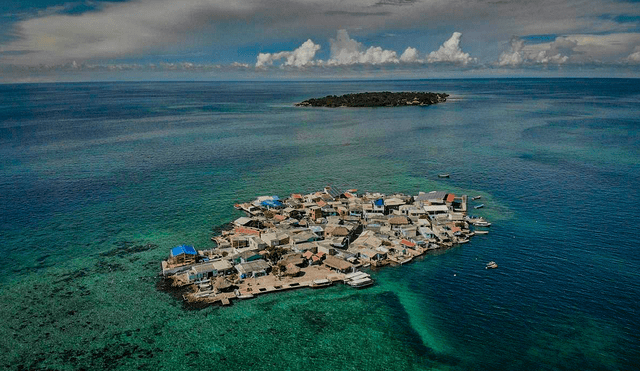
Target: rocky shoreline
{"type": "Point", "coordinates": [376, 99]}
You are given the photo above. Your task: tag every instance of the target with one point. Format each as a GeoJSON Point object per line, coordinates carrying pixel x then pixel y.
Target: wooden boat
{"type": "Point", "coordinates": [491, 265]}
{"type": "Point", "coordinates": [446, 175]}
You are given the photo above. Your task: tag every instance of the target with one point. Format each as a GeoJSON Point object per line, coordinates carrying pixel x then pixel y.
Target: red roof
{"type": "Point", "coordinates": [321, 254]}
{"type": "Point", "coordinates": [321, 203]}
{"type": "Point", "coordinates": [280, 217]}
{"type": "Point", "coordinates": [455, 229]}
{"type": "Point", "coordinates": [243, 230]}
{"type": "Point", "coordinates": [407, 243]}
{"type": "Point", "coordinates": [296, 195]}
{"type": "Point", "coordinates": [450, 197]}
{"type": "Point", "coordinates": [315, 258]}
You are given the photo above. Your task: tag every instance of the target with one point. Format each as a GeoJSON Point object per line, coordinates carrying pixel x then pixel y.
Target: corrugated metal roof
{"type": "Point", "coordinates": [242, 221]}
{"type": "Point", "coordinates": [333, 192]}
{"type": "Point", "coordinates": [433, 195]}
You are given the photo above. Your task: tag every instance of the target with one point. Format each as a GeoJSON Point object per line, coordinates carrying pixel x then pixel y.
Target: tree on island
{"type": "Point", "coordinates": [378, 99]}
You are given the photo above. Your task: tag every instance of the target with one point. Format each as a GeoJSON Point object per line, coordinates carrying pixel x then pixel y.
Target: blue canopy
{"type": "Point", "coordinates": [272, 203]}
{"type": "Point", "coordinates": [379, 202]}
{"type": "Point", "coordinates": [183, 249]}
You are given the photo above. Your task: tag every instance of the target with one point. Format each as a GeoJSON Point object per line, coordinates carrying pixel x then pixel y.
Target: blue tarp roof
{"type": "Point", "coordinates": [183, 249]}
{"type": "Point", "coordinates": [379, 202]}
{"type": "Point", "coordinates": [270, 203]}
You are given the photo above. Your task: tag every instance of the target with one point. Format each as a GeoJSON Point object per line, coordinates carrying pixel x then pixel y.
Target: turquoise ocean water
{"type": "Point", "coordinates": [99, 180]}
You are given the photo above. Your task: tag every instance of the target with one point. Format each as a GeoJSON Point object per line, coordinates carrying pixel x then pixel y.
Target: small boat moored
{"type": "Point", "coordinates": [445, 175]}
{"type": "Point", "coordinates": [491, 265]}
{"type": "Point", "coordinates": [478, 206]}
{"type": "Point", "coordinates": [362, 282]}
{"type": "Point", "coordinates": [476, 197]}
{"type": "Point", "coordinates": [477, 221]}
{"type": "Point", "coordinates": [358, 279]}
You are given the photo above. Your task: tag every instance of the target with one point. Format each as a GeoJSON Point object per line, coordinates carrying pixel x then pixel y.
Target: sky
{"type": "Point", "coordinates": [53, 40]}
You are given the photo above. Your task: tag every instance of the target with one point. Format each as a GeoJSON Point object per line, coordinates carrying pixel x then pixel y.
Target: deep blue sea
{"type": "Point", "coordinates": [99, 180]}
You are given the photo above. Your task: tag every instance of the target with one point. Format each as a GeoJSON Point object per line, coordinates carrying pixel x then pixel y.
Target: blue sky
{"type": "Point", "coordinates": [51, 40]}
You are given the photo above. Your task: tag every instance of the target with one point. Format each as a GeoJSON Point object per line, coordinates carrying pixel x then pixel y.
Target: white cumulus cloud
{"type": "Point", "coordinates": [450, 52]}
{"type": "Point", "coordinates": [556, 52]}
{"type": "Point", "coordinates": [347, 51]}
{"type": "Point", "coordinates": [410, 55]}
{"type": "Point", "coordinates": [301, 57]}
{"type": "Point", "coordinates": [514, 56]}
{"type": "Point", "coordinates": [634, 57]}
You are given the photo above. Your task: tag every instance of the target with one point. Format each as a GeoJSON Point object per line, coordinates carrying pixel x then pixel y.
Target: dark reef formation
{"type": "Point", "coordinates": [377, 99]}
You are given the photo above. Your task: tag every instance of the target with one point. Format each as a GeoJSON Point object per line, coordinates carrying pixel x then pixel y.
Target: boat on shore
{"type": "Point", "coordinates": [491, 265]}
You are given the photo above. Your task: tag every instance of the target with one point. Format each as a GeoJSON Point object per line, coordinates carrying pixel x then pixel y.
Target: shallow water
{"type": "Point", "coordinates": [99, 180]}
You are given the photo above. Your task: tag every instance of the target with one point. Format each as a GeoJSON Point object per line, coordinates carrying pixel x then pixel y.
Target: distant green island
{"type": "Point", "coordinates": [377, 99]}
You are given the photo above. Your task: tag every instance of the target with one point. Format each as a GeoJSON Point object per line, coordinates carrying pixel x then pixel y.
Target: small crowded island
{"type": "Point", "coordinates": [376, 99]}
{"type": "Point", "coordinates": [317, 240]}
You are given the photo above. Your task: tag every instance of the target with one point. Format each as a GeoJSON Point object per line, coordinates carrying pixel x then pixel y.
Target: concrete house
{"type": "Point", "coordinates": [255, 268]}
